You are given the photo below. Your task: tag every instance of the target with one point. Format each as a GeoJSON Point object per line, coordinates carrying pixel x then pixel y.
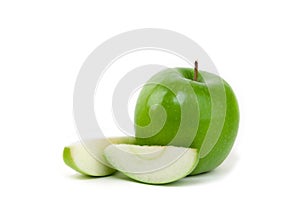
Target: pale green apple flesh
{"type": "Point", "coordinates": [152, 164]}
{"type": "Point", "coordinates": [79, 159]}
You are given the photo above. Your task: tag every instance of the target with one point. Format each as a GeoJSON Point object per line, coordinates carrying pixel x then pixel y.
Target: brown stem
{"type": "Point", "coordinates": [196, 71]}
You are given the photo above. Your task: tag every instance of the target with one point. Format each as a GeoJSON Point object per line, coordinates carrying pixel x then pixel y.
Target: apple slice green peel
{"type": "Point", "coordinates": [79, 159]}
{"type": "Point", "coordinates": [152, 164]}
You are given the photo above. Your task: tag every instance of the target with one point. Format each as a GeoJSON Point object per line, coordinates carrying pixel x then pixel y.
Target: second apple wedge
{"type": "Point", "coordinates": [77, 157]}
{"type": "Point", "coordinates": [152, 164]}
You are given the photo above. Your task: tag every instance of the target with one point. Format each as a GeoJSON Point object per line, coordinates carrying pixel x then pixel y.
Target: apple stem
{"type": "Point", "coordinates": [196, 71]}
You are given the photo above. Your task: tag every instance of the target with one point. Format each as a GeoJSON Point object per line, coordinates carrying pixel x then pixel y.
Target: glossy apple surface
{"type": "Point", "coordinates": [208, 103]}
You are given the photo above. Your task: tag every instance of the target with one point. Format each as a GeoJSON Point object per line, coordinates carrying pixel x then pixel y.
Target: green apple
{"type": "Point", "coordinates": [152, 164]}
{"type": "Point", "coordinates": [79, 159]}
{"type": "Point", "coordinates": [188, 108]}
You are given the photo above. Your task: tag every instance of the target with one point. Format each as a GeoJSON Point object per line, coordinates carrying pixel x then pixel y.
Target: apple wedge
{"type": "Point", "coordinates": [79, 159]}
{"type": "Point", "coordinates": [152, 164]}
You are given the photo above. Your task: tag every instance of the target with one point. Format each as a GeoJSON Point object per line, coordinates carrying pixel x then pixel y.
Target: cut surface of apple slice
{"type": "Point", "coordinates": [78, 158]}
{"type": "Point", "coordinates": [152, 164]}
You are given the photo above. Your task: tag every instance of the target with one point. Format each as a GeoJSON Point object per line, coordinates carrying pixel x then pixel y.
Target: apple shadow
{"type": "Point", "coordinates": [78, 176]}
{"type": "Point", "coordinates": [120, 176]}
{"type": "Point", "coordinates": [222, 171]}
{"type": "Point", "coordinates": [115, 175]}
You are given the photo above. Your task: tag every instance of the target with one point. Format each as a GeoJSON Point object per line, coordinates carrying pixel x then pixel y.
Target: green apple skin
{"type": "Point", "coordinates": [154, 94]}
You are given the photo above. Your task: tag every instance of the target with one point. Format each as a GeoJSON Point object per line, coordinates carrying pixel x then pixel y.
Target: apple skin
{"type": "Point", "coordinates": [154, 94]}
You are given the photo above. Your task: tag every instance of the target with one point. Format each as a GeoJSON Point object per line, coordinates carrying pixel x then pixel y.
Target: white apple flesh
{"type": "Point", "coordinates": [152, 164]}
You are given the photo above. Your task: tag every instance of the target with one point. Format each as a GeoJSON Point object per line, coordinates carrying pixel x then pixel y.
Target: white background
{"type": "Point", "coordinates": [254, 44]}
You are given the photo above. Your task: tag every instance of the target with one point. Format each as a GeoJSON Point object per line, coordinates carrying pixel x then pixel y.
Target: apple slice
{"type": "Point", "coordinates": [79, 159]}
{"type": "Point", "coordinates": [152, 164]}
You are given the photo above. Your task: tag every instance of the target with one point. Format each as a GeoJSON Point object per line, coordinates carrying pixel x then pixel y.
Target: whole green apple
{"type": "Point", "coordinates": [188, 108]}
